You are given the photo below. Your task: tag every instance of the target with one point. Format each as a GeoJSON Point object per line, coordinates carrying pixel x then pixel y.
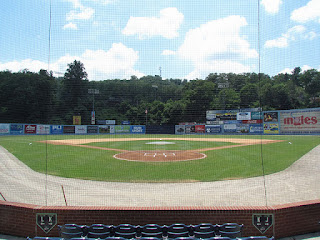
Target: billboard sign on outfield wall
{"type": "Point", "coordinates": [43, 129]}
{"type": "Point", "coordinates": [82, 129]}
{"type": "Point", "coordinates": [30, 129]}
{"type": "Point", "coordinates": [200, 128]}
{"type": "Point", "coordinates": [69, 129]}
{"type": "Point", "coordinates": [4, 128]}
{"type": "Point", "coordinates": [180, 129]}
{"type": "Point", "coordinates": [271, 128]}
{"type": "Point", "coordinates": [56, 129]}
{"type": "Point", "coordinates": [300, 121]}
{"type": "Point", "coordinates": [138, 129]}
{"type": "Point", "coordinates": [122, 129]}
{"type": "Point", "coordinates": [16, 129]}
{"type": "Point", "coordinates": [92, 129]}
{"type": "Point", "coordinates": [243, 116]}
{"type": "Point", "coordinates": [211, 129]}
{"type": "Point", "coordinates": [190, 129]}
{"type": "Point", "coordinates": [256, 128]}
{"type": "Point", "coordinates": [270, 117]}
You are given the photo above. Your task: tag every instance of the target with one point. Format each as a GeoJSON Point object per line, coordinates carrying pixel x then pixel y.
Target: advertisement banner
{"type": "Point", "coordinates": [256, 115]}
{"type": "Point", "coordinates": [92, 129]}
{"type": "Point", "coordinates": [122, 129]}
{"type": "Point", "coordinates": [4, 128]}
{"type": "Point", "coordinates": [242, 128]}
{"type": "Point", "coordinates": [252, 121]}
{"type": "Point", "coordinates": [125, 122]}
{"type": "Point", "coordinates": [76, 120]}
{"type": "Point", "coordinates": [30, 129]}
{"type": "Point", "coordinates": [230, 128]}
{"type": "Point", "coordinates": [210, 116]}
{"type": "Point", "coordinates": [81, 129]}
{"type": "Point", "coordinates": [93, 118]}
{"type": "Point", "coordinates": [180, 129]}
{"type": "Point", "coordinates": [211, 129]}
{"type": "Point", "coordinates": [200, 128]}
{"type": "Point", "coordinates": [190, 129]}
{"type": "Point", "coordinates": [243, 116]}
{"type": "Point", "coordinates": [300, 121]}
{"type": "Point", "coordinates": [271, 128]}
{"type": "Point", "coordinates": [16, 129]}
{"type": "Point", "coordinates": [256, 128]}
{"type": "Point", "coordinates": [56, 129]}
{"type": "Point", "coordinates": [138, 129]}
{"type": "Point", "coordinates": [69, 129]}
{"type": "Point", "coordinates": [43, 129]}
{"type": "Point", "coordinates": [270, 117]}
{"type": "Point", "coordinates": [104, 129]}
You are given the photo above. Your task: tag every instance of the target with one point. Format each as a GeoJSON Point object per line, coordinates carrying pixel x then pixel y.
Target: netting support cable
{"type": "Point", "coordinates": [259, 81]}
{"type": "Point", "coordinates": [3, 197]}
{"type": "Point", "coordinates": [64, 195]}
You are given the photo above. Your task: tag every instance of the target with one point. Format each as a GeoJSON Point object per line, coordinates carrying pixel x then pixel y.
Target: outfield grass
{"type": "Point", "coordinates": [95, 164]}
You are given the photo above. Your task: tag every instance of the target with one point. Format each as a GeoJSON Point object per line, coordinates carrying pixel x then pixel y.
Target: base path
{"type": "Point", "coordinates": [299, 182]}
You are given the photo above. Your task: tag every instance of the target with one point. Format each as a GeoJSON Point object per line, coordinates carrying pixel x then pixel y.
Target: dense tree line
{"type": "Point", "coordinates": [28, 97]}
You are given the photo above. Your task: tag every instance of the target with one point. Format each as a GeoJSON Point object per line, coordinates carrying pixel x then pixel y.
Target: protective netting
{"type": "Point", "coordinates": [159, 103]}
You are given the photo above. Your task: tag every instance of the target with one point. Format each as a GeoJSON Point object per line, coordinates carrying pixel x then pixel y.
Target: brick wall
{"type": "Point", "coordinates": [289, 219]}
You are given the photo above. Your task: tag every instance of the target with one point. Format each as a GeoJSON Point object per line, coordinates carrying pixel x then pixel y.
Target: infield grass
{"type": "Point", "coordinates": [96, 164]}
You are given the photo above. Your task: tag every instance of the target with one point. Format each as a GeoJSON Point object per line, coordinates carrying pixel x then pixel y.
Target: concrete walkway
{"type": "Point", "coordinates": [299, 182]}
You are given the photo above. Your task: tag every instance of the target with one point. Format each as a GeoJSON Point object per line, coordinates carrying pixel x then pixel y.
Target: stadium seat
{"type": "Point", "coordinates": [219, 238]}
{"type": "Point", "coordinates": [127, 231]}
{"type": "Point", "coordinates": [185, 238]}
{"type": "Point", "coordinates": [178, 230]}
{"type": "Point", "coordinates": [71, 231]}
{"type": "Point", "coordinates": [256, 238]}
{"type": "Point", "coordinates": [150, 238]}
{"type": "Point", "coordinates": [232, 230]}
{"type": "Point", "coordinates": [99, 231]}
{"type": "Point", "coordinates": [45, 238]}
{"type": "Point", "coordinates": [203, 230]}
{"type": "Point", "coordinates": [152, 230]}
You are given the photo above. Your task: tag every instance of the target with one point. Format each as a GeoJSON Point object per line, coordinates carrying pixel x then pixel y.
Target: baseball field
{"type": "Point", "coordinates": [158, 158]}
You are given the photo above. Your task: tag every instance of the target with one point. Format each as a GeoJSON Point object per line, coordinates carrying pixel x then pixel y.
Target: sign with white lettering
{"type": "Point", "coordinates": [46, 221]}
{"type": "Point", "coordinates": [262, 221]}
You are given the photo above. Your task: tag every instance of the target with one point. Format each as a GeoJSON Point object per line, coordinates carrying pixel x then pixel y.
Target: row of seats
{"type": "Point", "coordinates": [154, 238]}
{"type": "Point", "coordinates": [128, 231]}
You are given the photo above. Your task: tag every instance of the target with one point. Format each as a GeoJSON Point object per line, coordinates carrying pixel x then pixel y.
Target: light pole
{"type": "Point", "coordinates": [93, 114]}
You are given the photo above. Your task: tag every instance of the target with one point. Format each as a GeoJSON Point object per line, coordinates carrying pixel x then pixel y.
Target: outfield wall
{"type": "Point", "coordinates": [19, 219]}
{"type": "Point", "coordinates": [244, 121]}
{"type": "Point", "coordinates": [40, 129]}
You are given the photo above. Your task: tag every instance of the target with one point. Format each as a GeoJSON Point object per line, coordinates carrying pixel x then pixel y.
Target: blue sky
{"type": "Point", "coordinates": [187, 39]}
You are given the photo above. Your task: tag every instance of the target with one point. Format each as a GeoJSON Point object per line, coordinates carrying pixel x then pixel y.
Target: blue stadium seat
{"type": "Point", "coordinates": [178, 230]}
{"type": "Point", "coordinates": [127, 231]}
{"type": "Point", "coordinates": [203, 230]}
{"type": "Point", "coordinates": [71, 231]}
{"type": "Point", "coordinates": [232, 230]}
{"type": "Point", "coordinates": [152, 230]}
{"type": "Point", "coordinates": [100, 231]}
{"type": "Point", "coordinates": [45, 238]}
{"type": "Point", "coordinates": [256, 238]}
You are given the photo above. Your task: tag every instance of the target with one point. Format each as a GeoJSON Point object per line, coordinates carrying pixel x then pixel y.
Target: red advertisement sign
{"type": "Point", "coordinates": [252, 121]}
{"type": "Point", "coordinates": [200, 128]}
{"type": "Point", "coordinates": [30, 129]}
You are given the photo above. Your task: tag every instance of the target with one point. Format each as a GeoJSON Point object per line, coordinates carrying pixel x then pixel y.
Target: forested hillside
{"type": "Point", "coordinates": [28, 97]}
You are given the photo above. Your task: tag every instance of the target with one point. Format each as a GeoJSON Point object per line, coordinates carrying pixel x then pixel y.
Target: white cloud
{"type": "Point", "coordinates": [271, 6]}
{"type": "Point", "coordinates": [117, 62]}
{"type": "Point", "coordinates": [217, 46]}
{"type": "Point", "coordinates": [310, 12]}
{"type": "Point", "coordinates": [168, 52]}
{"type": "Point", "coordinates": [80, 12]}
{"type": "Point", "coordinates": [167, 25]}
{"type": "Point", "coordinates": [70, 25]}
{"type": "Point", "coordinates": [280, 42]}
{"type": "Point", "coordinates": [292, 34]}
{"type": "Point", "coordinates": [290, 70]}
{"type": "Point", "coordinates": [16, 66]}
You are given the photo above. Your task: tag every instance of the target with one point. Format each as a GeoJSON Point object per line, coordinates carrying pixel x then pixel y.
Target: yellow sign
{"type": "Point", "coordinates": [76, 120]}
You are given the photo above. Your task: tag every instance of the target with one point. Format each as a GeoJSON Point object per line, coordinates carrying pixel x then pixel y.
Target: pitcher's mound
{"type": "Point", "coordinates": [160, 156]}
